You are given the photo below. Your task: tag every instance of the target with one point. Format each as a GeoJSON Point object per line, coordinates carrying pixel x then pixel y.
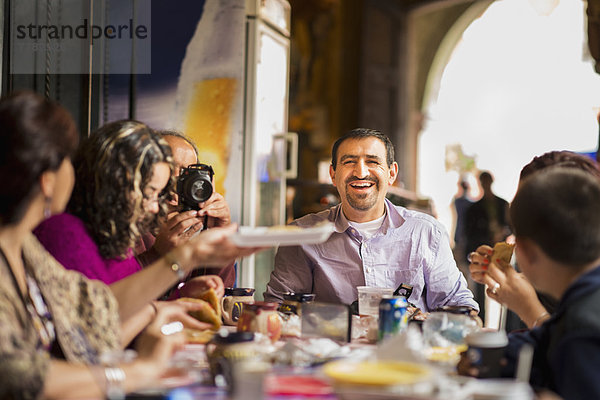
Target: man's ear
{"type": "Point", "coordinates": [393, 173]}
{"type": "Point", "coordinates": [47, 183]}
{"type": "Point", "coordinates": [527, 250]}
{"type": "Point", "coordinates": [332, 174]}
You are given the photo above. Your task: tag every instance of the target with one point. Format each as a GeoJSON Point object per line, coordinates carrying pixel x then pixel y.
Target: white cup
{"type": "Point", "coordinates": [369, 298]}
{"type": "Point", "coordinates": [500, 389]}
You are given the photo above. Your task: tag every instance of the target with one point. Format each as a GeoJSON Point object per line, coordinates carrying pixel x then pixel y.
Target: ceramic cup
{"type": "Point", "coordinates": [486, 349]}
{"type": "Point", "coordinates": [233, 302]}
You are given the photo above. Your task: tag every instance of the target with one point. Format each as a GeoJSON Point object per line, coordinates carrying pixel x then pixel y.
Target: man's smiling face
{"type": "Point", "coordinates": [362, 177]}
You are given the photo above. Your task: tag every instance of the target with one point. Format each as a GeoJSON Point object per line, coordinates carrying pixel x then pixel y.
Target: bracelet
{"type": "Point", "coordinates": [175, 267]}
{"type": "Point", "coordinates": [539, 319]}
{"type": "Point", "coordinates": [115, 377]}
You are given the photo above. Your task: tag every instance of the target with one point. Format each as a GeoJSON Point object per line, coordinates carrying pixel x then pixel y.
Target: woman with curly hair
{"type": "Point", "coordinates": [122, 175]}
{"type": "Point", "coordinates": [121, 170]}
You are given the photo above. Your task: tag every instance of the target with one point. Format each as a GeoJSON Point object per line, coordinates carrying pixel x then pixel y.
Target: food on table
{"type": "Point", "coordinates": [210, 296]}
{"type": "Point", "coordinates": [446, 354]}
{"type": "Point", "coordinates": [290, 325]}
{"type": "Point", "coordinates": [205, 314]}
{"type": "Point", "coordinates": [376, 372]}
{"type": "Point", "coordinates": [415, 314]}
{"type": "Point", "coordinates": [196, 336]}
{"type": "Point", "coordinates": [283, 228]}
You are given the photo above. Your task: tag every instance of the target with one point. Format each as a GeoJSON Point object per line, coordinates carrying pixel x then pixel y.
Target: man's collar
{"type": "Point", "coordinates": [341, 222]}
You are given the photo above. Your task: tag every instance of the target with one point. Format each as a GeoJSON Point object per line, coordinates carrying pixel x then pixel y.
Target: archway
{"type": "Point", "coordinates": [518, 84]}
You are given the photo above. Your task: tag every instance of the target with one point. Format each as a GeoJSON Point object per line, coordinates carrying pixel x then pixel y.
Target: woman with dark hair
{"type": "Point", "coordinates": [56, 325]}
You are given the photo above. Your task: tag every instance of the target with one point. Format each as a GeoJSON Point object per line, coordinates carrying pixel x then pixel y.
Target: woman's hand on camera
{"type": "Point", "coordinates": [178, 229]}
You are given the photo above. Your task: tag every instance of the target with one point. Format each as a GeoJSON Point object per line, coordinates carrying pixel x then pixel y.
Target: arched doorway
{"type": "Point", "coordinates": [517, 84]}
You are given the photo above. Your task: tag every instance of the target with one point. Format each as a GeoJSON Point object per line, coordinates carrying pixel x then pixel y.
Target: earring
{"type": "Point", "coordinates": [47, 211]}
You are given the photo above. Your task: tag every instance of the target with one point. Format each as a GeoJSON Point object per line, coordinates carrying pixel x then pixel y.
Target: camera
{"type": "Point", "coordinates": [194, 186]}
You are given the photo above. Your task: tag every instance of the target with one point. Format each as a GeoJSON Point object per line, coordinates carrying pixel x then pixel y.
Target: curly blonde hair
{"type": "Point", "coordinates": [112, 168]}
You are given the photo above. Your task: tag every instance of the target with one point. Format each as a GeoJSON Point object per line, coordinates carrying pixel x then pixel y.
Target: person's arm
{"type": "Point", "coordinates": [66, 380]}
{"type": "Point", "coordinates": [446, 285]}
{"type": "Point", "coordinates": [161, 310]}
{"type": "Point", "coordinates": [210, 248]}
{"type": "Point", "coordinates": [292, 273]}
{"type": "Point", "coordinates": [575, 366]}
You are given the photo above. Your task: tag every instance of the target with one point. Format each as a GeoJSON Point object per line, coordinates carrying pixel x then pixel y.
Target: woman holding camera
{"type": "Point", "coordinates": [56, 325]}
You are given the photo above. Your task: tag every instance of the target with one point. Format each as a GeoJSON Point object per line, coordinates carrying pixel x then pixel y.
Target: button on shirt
{"type": "Point", "coordinates": [410, 247]}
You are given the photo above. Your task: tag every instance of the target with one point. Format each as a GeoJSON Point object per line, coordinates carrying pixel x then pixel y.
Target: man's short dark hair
{"type": "Point", "coordinates": [564, 158]}
{"type": "Point", "coordinates": [363, 133]}
{"type": "Point", "coordinates": [559, 209]}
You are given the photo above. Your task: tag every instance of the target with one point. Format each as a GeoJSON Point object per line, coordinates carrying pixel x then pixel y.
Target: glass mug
{"type": "Point", "coordinates": [233, 302]}
{"type": "Point", "coordinates": [263, 317]}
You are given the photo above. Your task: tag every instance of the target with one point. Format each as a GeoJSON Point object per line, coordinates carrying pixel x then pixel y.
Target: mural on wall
{"type": "Point", "coordinates": [196, 85]}
{"type": "Point", "coordinates": [209, 105]}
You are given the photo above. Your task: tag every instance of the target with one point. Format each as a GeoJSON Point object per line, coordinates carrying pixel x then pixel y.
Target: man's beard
{"type": "Point", "coordinates": [362, 202]}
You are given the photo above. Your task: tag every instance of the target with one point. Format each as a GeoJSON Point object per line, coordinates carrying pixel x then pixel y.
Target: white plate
{"type": "Point", "coordinates": [266, 236]}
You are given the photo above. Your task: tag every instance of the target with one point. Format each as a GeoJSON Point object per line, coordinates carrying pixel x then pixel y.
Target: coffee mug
{"type": "Point", "coordinates": [486, 349]}
{"type": "Point", "coordinates": [233, 302]}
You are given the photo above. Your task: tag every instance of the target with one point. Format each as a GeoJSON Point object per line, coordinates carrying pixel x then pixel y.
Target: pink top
{"type": "Point", "coordinates": [68, 240]}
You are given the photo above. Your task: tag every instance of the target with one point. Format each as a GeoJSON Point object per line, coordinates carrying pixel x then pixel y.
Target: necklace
{"type": "Point", "coordinates": [33, 301]}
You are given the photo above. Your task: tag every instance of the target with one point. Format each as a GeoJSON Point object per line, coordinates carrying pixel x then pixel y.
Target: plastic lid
{"type": "Point", "coordinates": [225, 337]}
{"type": "Point", "coordinates": [299, 297]}
{"type": "Point", "coordinates": [261, 305]}
{"type": "Point", "coordinates": [487, 339]}
{"type": "Point", "coordinates": [239, 291]}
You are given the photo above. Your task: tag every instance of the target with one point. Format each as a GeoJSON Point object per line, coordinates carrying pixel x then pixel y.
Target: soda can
{"type": "Point", "coordinates": [393, 317]}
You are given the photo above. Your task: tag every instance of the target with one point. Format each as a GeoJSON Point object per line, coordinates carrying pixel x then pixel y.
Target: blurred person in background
{"type": "Point", "coordinates": [486, 222]}
{"type": "Point", "coordinates": [460, 204]}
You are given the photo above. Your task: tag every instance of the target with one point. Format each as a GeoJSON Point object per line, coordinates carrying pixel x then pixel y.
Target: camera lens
{"type": "Point", "coordinates": [200, 189]}
{"type": "Point", "coordinates": [194, 186]}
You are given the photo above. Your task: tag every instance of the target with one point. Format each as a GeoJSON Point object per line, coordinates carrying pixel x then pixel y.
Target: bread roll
{"type": "Point", "coordinates": [502, 251]}
{"type": "Point", "coordinates": [205, 314]}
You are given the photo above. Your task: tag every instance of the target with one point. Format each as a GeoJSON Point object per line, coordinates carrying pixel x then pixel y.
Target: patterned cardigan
{"type": "Point", "coordinates": [84, 313]}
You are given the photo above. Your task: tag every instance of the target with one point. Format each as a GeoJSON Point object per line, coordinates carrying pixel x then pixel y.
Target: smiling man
{"type": "Point", "coordinates": [374, 243]}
